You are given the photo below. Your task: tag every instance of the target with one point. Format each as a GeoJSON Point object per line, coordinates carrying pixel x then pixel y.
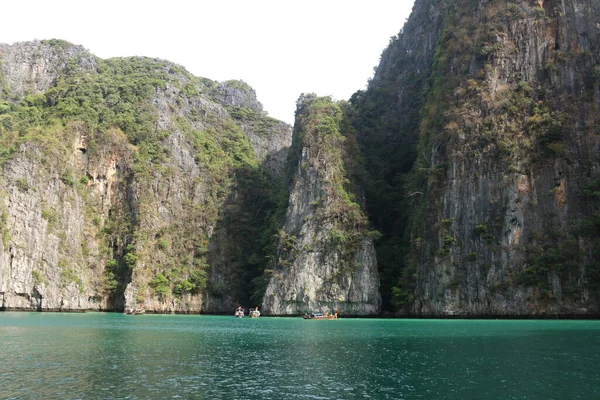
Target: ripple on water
{"type": "Point", "coordinates": [114, 356]}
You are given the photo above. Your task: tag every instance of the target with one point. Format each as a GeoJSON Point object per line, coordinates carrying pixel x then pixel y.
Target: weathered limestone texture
{"type": "Point", "coordinates": [502, 199]}
{"type": "Point", "coordinates": [131, 213]}
{"type": "Point", "coordinates": [326, 259]}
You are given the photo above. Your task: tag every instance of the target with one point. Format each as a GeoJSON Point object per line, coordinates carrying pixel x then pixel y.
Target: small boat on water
{"type": "Point", "coordinates": [254, 313]}
{"type": "Point", "coordinates": [239, 312]}
{"type": "Point", "coordinates": [136, 311]}
{"type": "Point", "coordinates": [320, 316]}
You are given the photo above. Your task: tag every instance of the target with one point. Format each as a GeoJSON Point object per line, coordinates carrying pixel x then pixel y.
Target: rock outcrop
{"type": "Point", "coordinates": [33, 67]}
{"type": "Point", "coordinates": [326, 260]}
{"type": "Point", "coordinates": [126, 182]}
{"type": "Point", "coordinates": [500, 190]}
{"type": "Point", "coordinates": [51, 258]}
{"type": "Point", "coordinates": [474, 152]}
{"type": "Point", "coordinates": [269, 137]}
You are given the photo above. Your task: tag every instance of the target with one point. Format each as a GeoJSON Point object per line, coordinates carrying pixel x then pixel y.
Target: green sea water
{"type": "Point", "coordinates": [114, 356]}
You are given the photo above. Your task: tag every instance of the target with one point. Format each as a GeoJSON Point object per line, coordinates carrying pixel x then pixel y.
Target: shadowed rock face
{"type": "Point", "coordinates": [90, 218]}
{"type": "Point", "coordinates": [507, 99]}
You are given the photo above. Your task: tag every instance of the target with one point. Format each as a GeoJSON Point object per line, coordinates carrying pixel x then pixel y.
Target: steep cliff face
{"type": "Point", "coordinates": [50, 253]}
{"type": "Point", "coordinates": [121, 179]}
{"type": "Point", "coordinates": [475, 151]}
{"type": "Point", "coordinates": [502, 196]}
{"type": "Point", "coordinates": [387, 125]}
{"type": "Point", "coordinates": [325, 259]}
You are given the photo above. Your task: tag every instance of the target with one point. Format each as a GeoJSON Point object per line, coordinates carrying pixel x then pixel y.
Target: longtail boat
{"type": "Point", "coordinates": [320, 316]}
{"type": "Point", "coordinates": [254, 313]}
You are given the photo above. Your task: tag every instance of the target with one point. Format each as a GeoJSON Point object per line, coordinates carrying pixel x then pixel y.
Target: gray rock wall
{"type": "Point", "coordinates": [505, 194]}
{"type": "Point", "coordinates": [32, 67]}
{"type": "Point", "coordinates": [322, 264]}
{"type": "Point", "coordinates": [51, 257]}
{"type": "Point", "coordinates": [69, 210]}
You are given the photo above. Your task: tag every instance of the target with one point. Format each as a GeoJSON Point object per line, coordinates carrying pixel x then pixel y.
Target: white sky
{"type": "Point", "coordinates": [281, 48]}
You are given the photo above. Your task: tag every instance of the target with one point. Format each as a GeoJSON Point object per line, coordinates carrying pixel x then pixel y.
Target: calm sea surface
{"type": "Point", "coordinates": [109, 356]}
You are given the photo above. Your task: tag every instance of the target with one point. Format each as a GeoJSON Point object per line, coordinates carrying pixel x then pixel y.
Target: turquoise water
{"type": "Point", "coordinates": [110, 356]}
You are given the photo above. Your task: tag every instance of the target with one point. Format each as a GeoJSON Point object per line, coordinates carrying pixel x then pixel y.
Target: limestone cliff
{"type": "Point", "coordinates": [325, 259]}
{"type": "Point", "coordinates": [33, 67]}
{"type": "Point", "coordinates": [128, 182]}
{"type": "Point", "coordinates": [500, 191]}
{"type": "Point", "coordinates": [51, 258]}
{"type": "Point", "coordinates": [473, 152]}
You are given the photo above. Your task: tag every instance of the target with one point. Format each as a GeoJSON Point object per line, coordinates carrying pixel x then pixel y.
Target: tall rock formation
{"type": "Point", "coordinates": [497, 103]}
{"type": "Point", "coordinates": [50, 255]}
{"type": "Point", "coordinates": [325, 259]}
{"type": "Point", "coordinates": [474, 150]}
{"type": "Point", "coordinates": [129, 182]}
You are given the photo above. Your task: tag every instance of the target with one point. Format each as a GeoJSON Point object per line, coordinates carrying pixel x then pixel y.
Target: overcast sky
{"type": "Point", "coordinates": [281, 48]}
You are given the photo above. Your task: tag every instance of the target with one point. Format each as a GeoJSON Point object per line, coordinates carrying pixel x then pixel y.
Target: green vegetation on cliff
{"type": "Point", "coordinates": [184, 169]}
{"type": "Point", "coordinates": [465, 121]}
{"type": "Point", "coordinates": [324, 255]}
